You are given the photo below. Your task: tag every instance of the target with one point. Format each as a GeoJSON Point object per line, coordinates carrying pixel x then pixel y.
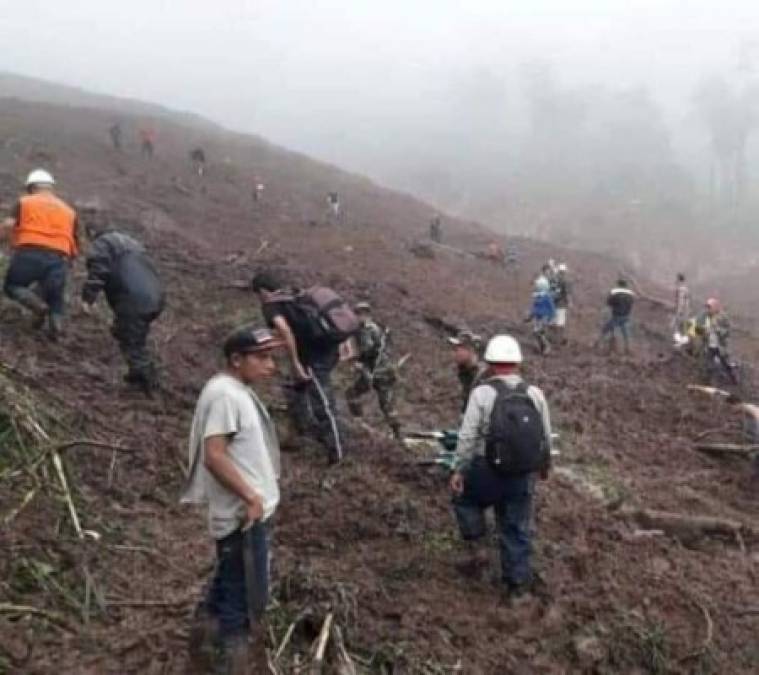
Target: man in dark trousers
{"type": "Point", "coordinates": [311, 398]}
{"type": "Point", "coordinates": [118, 265]}
{"type": "Point", "coordinates": [620, 302]}
{"type": "Point", "coordinates": [45, 238]}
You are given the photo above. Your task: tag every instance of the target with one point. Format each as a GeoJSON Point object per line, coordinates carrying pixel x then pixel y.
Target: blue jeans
{"type": "Point", "coordinates": [227, 596]}
{"type": "Point", "coordinates": [620, 323]}
{"type": "Point", "coordinates": [36, 265]}
{"type": "Point", "coordinates": [511, 498]}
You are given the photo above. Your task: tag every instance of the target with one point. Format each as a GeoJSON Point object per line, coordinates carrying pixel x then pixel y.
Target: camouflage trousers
{"type": "Point", "coordinates": [383, 383]}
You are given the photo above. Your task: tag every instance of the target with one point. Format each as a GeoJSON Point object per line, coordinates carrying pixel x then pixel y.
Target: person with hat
{"type": "Point", "coordinates": [469, 367]}
{"type": "Point", "coordinates": [375, 368]}
{"type": "Point", "coordinates": [45, 238]}
{"type": "Point", "coordinates": [118, 265]}
{"type": "Point", "coordinates": [503, 442]}
{"type": "Point", "coordinates": [713, 327]}
{"type": "Point", "coordinates": [234, 467]}
{"type": "Point", "coordinates": [542, 313]}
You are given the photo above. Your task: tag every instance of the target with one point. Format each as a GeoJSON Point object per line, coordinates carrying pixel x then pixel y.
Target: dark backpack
{"type": "Point", "coordinates": [327, 317]}
{"type": "Point", "coordinates": [516, 442]}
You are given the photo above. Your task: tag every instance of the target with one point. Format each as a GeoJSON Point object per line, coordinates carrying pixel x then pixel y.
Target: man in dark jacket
{"type": "Point", "coordinates": [118, 265]}
{"type": "Point", "coordinates": [310, 396]}
{"type": "Point", "coordinates": [620, 302]}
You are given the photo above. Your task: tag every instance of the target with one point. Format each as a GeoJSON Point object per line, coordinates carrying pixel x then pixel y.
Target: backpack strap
{"type": "Point", "coordinates": [502, 388]}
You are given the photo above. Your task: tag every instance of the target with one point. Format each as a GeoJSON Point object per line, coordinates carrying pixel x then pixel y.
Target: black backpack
{"type": "Point", "coordinates": [516, 442]}
{"type": "Point", "coordinates": [328, 319]}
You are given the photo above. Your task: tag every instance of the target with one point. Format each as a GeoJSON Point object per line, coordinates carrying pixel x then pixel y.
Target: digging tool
{"type": "Point", "coordinates": [711, 391]}
{"type": "Point", "coordinates": [330, 415]}
{"type": "Point", "coordinates": [254, 593]}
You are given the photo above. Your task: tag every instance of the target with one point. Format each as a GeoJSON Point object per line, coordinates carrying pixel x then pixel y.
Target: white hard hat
{"type": "Point", "coordinates": [503, 349]}
{"type": "Point", "coordinates": [562, 267]}
{"type": "Point", "coordinates": [39, 177]}
{"type": "Point", "coordinates": [542, 284]}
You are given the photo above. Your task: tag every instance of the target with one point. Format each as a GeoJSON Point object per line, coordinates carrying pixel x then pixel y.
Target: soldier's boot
{"type": "Point", "coordinates": [476, 560]}
{"type": "Point", "coordinates": [395, 427]}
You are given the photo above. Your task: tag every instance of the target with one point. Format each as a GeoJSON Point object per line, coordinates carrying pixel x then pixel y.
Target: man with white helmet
{"type": "Point", "coordinates": [45, 238]}
{"type": "Point", "coordinates": [504, 440]}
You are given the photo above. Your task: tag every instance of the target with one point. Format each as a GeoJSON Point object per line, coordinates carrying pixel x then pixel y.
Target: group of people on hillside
{"type": "Point", "coordinates": [504, 440]}
{"type": "Point", "coordinates": [45, 238]}
{"type": "Point", "coordinates": [504, 445]}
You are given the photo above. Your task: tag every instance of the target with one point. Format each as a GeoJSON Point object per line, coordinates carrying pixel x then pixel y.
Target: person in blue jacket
{"type": "Point", "coordinates": [542, 313]}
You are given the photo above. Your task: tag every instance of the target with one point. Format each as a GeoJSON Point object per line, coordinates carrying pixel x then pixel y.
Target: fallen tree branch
{"type": "Point", "coordinates": [723, 450]}
{"type": "Point", "coordinates": [688, 527]}
{"type": "Point", "coordinates": [54, 617]}
{"type": "Point", "coordinates": [321, 647]}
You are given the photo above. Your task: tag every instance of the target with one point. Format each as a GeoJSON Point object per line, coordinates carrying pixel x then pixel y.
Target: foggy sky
{"type": "Point", "coordinates": [342, 80]}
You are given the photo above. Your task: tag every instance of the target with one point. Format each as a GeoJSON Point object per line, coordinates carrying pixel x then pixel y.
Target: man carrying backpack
{"type": "Point", "coordinates": [504, 440]}
{"type": "Point", "coordinates": [313, 323]}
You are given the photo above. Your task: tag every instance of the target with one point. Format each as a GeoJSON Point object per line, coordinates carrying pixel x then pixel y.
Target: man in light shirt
{"type": "Point", "coordinates": [504, 440]}
{"type": "Point", "coordinates": [234, 469]}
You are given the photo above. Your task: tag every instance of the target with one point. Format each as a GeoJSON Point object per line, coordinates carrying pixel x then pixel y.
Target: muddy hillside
{"type": "Point", "coordinates": [102, 567]}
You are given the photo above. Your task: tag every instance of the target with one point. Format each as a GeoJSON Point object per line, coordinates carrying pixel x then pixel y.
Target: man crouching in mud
{"type": "Point", "coordinates": [234, 468]}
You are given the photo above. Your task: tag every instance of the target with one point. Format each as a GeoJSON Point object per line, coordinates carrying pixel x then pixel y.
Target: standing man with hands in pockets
{"type": "Point", "coordinates": [234, 468]}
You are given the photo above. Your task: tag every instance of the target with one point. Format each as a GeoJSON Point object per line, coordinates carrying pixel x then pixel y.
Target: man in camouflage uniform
{"type": "Point", "coordinates": [375, 369]}
{"type": "Point", "coordinates": [469, 366]}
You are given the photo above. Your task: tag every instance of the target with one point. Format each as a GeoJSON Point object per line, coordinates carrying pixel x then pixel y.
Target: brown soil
{"type": "Point", "coordinates": [373, 540]}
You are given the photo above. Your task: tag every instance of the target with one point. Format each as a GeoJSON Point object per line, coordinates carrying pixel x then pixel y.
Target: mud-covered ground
{"type": "Point", "coordinates": [372, 541]}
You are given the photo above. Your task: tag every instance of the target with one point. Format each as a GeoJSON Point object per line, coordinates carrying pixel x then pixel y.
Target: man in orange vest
{"type": "Point", "coordinates": [44, 239]}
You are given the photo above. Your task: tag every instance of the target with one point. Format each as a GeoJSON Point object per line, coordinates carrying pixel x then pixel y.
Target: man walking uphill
{"type": "Point", "coordinates": [118, 265]}
{"type": "Point", "coordinates": [504, 440]}
{"type": "Point", "coordinates": [375, 369]}
{"type": "Point", "coordinates": [234, 468]}
{"type": "Point", "coordinates": [44, 238]}
{"type": "Point", "coordinates": [620, 302]}
{"type": "Point", "coordinates": [312, 339]}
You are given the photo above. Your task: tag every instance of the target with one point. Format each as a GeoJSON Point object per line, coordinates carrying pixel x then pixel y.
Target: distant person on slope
{"type": "Point", "coordinates": [118, 266]}
{"type": "Point", "coordinates": [503, 442]}
{"type": "Point", "coordinates": [333, 207]}
{"type": "Point", "coordinates": [620, 302]}
{"type": "Point", "coordinates": [258, 190]}
{"type": "Point", "coordinates": [713, 326]}
{"type": "Point", "coordinates": [682, 305]}
{"type": "Point", "coordinates": [562, 298]}
{"type": "Point", "coordinates": [469, 366]}
{"type": "Point", "coordinates": [313, 324]}
{"type": "Point", "coordinates": [115, 133]}
{"type": "Point", "coordinates": [45, 238]}
{"type": "Point", "coordinates": [198, 159]}
{"type": "Point", "coordinates": [542, 313]}
{"type": "Point", "coordinates": [436, 229]}
{"type": "Point", "coordinates": [147, 142]}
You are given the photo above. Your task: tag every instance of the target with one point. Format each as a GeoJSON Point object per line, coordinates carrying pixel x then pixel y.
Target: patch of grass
{"type": "Point", "coordinates": [640, 641]}
{"type": "Point", "coordinates": [437, 542]}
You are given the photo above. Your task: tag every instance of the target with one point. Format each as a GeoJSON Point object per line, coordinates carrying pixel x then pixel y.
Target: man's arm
{"type": "Point", "coordinates": [222, 468]}
{"type": "Point", "coordinates": [280, 323]}
{"type": "Point", "coordinates": [77, 236]}
{"type": "Point", "coordinates": [98, 270]}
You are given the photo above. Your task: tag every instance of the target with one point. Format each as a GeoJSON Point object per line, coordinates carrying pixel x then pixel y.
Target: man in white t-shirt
{"type": "Point", "coordinates": [234, 469]}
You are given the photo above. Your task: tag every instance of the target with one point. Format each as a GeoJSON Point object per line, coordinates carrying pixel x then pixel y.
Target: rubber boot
{"type": "Point", "coordinates": [237, 656]}
{"type": "Point", "coordinates": [475, 563]}
{"type": "Point", "coordinates": [34, 303]}
{"type": "Point", "coordinates": [396, 429]}
{"type": "Point", "coordinates": [204, 642]}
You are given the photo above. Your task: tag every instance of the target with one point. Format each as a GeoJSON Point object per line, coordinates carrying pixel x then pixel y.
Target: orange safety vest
{"type": "Point", "coordinates": [47, 222]}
